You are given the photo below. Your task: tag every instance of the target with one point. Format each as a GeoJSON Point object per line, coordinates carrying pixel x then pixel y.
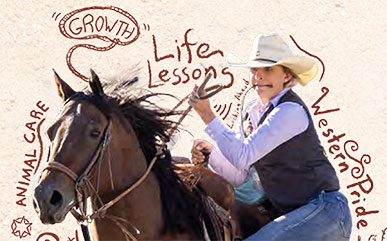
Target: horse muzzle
{"type": "Point", "coordinates": [49, 203]}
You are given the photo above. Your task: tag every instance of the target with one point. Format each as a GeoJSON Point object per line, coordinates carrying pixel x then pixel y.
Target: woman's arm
{"type": "Point", "coordinates": [284, 122]}
{"type": "Point", "coordinates": [217, 162]}
{"type": "Point", "coordinates": [220, 165]}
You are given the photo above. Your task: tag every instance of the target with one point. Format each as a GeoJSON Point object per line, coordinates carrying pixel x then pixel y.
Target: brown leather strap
{"type": "Point", "coordinates": [203, 92]}
{"type": "Point", "coordinates": [60, 167]}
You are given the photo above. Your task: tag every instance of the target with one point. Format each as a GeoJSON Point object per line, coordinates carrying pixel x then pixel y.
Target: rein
{"type": "Point", "coordinates": [201, 93]}
{"type": "Point", "coordinates": [83, 186]}
{"type": "Point", "coordinates": [242, 106]}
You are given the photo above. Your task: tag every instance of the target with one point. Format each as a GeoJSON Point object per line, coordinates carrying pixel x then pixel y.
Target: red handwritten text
{"type": "Point", "coordinates": [33, 158]}
{"type": "Point", "coordinates": [109, 24]}
{"type": "Point", "coordinates": [187, 50]}
{"type": "Point", "coordinates": [344, 150]}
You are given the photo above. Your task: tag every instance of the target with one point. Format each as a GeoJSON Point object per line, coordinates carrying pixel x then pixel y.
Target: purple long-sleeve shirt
{"type": "Point", "coordinates": [234, 155]}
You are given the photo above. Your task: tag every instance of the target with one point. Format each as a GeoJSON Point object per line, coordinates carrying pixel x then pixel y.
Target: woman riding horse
{"type": "Point", "coordinates": [282, 145]}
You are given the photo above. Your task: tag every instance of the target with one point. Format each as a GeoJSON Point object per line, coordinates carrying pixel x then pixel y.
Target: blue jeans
{"type": "Point", "coordinates": [326, 217]}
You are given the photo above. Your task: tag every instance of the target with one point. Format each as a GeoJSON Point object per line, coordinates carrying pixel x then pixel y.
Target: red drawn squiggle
{"type": "Point", "coordinates": [88, 46]}
{"type": "Point", "coordinates": [40, 144]}
{"type": "Point", "coordinates": [114, 40]}
{"type": "Point", "coordinates": [314, 56]}
{"type": "Point", "coordinates": [228, 111]}
{"type": "Point", "coordinates": [224, 108]}
{"type": "Point", "coordinates": [46, 236]}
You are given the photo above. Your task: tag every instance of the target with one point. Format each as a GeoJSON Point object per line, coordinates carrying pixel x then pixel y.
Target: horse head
{"type": "Point", "coordinates": [78, 138]}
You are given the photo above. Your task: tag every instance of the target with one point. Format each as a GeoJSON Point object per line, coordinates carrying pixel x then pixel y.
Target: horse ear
{"type": "Point", "coordinates": [64, 90]}
{"type": "Point", "coordinates": [95, 84]}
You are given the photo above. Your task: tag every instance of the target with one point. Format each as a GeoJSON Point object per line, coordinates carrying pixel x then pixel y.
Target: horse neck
{"type": "Point", "coordinates": [142, 207]}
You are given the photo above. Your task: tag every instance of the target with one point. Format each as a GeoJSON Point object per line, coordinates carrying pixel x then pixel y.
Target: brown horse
{"type": "Point", "coordinates": [160, 208]}
{"type": "Point", "coordinates": [102, 143]}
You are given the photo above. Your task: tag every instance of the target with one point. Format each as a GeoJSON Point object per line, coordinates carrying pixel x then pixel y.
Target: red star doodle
{"type": "Point", "coordinates": [18, 232]}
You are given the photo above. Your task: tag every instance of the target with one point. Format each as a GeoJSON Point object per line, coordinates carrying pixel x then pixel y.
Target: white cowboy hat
{"type": "Point", "coordinates": [269, 50]}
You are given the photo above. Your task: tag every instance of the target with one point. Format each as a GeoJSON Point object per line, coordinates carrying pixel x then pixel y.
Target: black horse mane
{"type": "Point", "coordinates": [183, 209]}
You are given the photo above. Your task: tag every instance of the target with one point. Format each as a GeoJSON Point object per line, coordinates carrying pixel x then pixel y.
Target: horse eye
{"type": "Point", "coordinates": [51, 132]}
{"type": "Point", "coordinates": [95, 133]}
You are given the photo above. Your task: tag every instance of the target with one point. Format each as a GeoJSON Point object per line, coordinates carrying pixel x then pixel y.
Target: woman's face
{"type": "Point", "coordinates": [269, 81]}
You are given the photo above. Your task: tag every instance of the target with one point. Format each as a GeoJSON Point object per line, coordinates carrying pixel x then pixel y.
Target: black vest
{"type": "Point", "coordinates": [298, 169]}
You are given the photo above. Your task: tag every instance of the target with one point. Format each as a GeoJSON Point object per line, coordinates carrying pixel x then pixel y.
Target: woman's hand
{"type": "Point", "coordinates": [202, 107]}
{"type": "Point", "coordinates": [198, 147]}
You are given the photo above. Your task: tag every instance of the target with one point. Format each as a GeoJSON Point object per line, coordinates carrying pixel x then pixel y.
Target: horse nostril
{"type": "Point", "coordinates": [56, 198]}
{"type": "Point", "coordinates": [35, 205]}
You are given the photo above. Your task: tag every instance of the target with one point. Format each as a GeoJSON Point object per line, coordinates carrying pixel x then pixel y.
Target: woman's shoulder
{"type": "Point", "coordinates": [292, 109]}
{"type": "Point", "coordinates": [291, 96]}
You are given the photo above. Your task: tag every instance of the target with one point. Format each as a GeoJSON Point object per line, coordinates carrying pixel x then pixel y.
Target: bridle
{"type": "Point", "coordinates": [83, 186]}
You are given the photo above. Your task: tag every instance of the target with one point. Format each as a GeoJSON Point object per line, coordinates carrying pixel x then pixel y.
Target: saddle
{"type": "Point", "coordinates": [231, 219]}
{"type": "Point", "coordinates": [216, 194]}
